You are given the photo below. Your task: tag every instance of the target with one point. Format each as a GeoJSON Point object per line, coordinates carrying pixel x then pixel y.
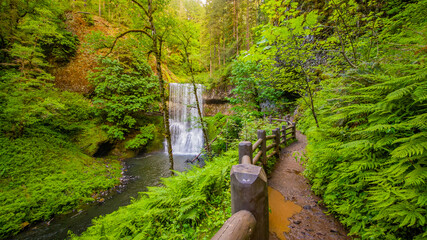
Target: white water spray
{"type": "Point", "coordinates": [186, 132]}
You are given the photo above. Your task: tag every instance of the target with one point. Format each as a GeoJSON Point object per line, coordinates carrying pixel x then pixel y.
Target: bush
{"type": "Point", "coordinates": [121, 94]}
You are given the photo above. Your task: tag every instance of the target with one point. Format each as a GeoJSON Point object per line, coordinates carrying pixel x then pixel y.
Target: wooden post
{"type": "Point", "coordinates": [262, 135]}
{"type": "Point", "coordinates": [284, 134]}
{"type": "Point", "coordinates": [276, 132]}
{"type": "Point", "coordinates": [245, 148]}
{"type": "Point", "coordinates": [249, 192]}
{"type": "Point", "coordinates": [239, 226]}
{"type": "Point", "coordinates": [294, 131]}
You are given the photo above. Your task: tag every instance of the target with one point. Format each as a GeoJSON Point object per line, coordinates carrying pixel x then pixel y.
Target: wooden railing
{"type": "Point", "coordinates": [249, 194]}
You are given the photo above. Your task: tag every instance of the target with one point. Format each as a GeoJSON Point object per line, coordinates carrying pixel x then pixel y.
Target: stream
{"type": "Point", "coordinates": [142, 171]}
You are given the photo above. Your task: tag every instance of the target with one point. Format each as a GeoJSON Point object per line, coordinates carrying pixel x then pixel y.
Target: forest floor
{"type": "Point", "coordinates": [295, 212]}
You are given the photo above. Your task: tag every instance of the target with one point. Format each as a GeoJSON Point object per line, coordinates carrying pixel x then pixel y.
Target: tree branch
{"type": "Point", "coordinates": [123, 34]}
{"type": "Point", "coordinates": [343, 52]}
{"type": "Point", "coordinates": [142, 7]}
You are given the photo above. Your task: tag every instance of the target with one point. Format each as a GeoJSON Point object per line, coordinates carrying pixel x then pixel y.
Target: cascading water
{"type": "Point", "coordinates": [186, 132]}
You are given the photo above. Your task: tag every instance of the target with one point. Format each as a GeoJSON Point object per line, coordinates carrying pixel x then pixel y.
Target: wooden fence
{"type": "Point", "coordinates": [249, 194]}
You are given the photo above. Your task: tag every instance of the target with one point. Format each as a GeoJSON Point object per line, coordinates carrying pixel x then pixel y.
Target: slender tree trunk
{"type": "Point", "coordinates": [237, 27]}
{"type": "Point", "coordinates": [199, 111]}
{"type": "Point", "coordinates": [193, 81]}
{"type": "Point", "coordinates": [157, 48]}
{"type": "Point", "coordinates": [234, 19]}
{"type": "Point", "coordinates": [219, 54]}
{"type": "Point", "coordinates": [158, 55]}
{"type": "Point", "coordinates": [310, 94]}
{"type": "Point", "coordinates": [210, 62]}
{"type": "Point", "coordinates": [223, 49]}
{"type": "Point", "coordinates": [247, 26]}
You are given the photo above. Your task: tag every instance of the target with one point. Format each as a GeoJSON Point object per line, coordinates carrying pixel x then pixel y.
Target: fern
{"type": "Point", "coordinates": [368, 159]}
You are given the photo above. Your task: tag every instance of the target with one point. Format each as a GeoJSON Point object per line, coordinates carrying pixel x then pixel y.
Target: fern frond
{"type": "Point", "coordinates": [419, 121]}
{"type": "Point", "coordinates": [409, 149]}
{"type": "Point", "coordinates": [420, 94]}
{"type": "Point", "coordinates": [385, 141]}
{"type": "Point", "coordinates": [402, 92]}
{"type": "Point", "coordinates": [358, 144]}
{"type": "Point", "coordinates": [416, 177]}
{"type": "Point", "coordinates": [412, 146]}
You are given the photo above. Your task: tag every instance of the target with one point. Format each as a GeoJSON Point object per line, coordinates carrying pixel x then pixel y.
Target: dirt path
{"type": "Point", "coordinates": [308, 220]}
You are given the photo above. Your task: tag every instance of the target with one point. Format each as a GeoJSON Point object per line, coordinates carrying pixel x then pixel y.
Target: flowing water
{"type": "Point", "coordinates": [140, 172]}
{"type": "Point", "coordinates": [187, 135]}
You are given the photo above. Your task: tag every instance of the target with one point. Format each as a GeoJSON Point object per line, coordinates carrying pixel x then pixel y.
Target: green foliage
{"type": "Point", "coordinates": [142, 138]}
{"type": "Point", "coordinates": [368, 158]}
{"type": "Point", "coordinates": [226, 131]}
{"type": "Point", "coordinates": [42, 172]}
{"type": "Point", "coordinates": [251, 90]}
{"type": "Point", "coordinates": [191, 205]}
{"type": "Point", "coordinates": [97, 40]}
{"type": "Point", "coordinates": [122, 93]}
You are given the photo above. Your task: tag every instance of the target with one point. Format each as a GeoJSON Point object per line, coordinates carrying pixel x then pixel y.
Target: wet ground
{"type": "Point", "coordinates": [294, 211]}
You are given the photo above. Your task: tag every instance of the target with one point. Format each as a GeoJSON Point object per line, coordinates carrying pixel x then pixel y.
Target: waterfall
{"type": "Point", "coordinates": [186, 132]}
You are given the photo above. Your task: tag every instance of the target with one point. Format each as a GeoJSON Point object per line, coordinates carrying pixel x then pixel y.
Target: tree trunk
{"type": "Point", "coordinates": [237, 28]}
{"type": "Point", "coordinates": [234, 19]}
{"type": "Point", "coordinates": [219, 54]}
{"type": "Point", "coordinates": [99, 7]}
{"type": "Point", "coordinates": [202, 122]}
{"type": "Point", "coordinates": [157, 48]}
{"type": "Point", "coordinates": [223, 49]}
{"type": "Point", "coordinates": [247, 26]}
{"type": "Point", "coordinates": [199, 111]}
{"type": "Point", "coordinates": [158, 56]}
{"type": "Point", "coordinates": [210, 62]}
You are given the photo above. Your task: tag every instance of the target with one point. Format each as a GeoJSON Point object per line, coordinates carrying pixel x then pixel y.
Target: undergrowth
{"type": "Point", "coordinates": [42, 170]}
{"type": "Point", "coordinates": [191, 205]}
{"type": "Point", "coordinates": [368, 157]}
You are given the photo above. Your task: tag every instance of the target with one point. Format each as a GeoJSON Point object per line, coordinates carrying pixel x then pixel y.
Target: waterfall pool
{"type": "Point", "coordinates": [142, 171]}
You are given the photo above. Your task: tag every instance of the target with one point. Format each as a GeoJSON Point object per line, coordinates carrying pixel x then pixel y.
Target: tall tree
{"type": "Point", "coordinates": [186, 37]}
{"type": "Point", "coordinates": [156, 26]}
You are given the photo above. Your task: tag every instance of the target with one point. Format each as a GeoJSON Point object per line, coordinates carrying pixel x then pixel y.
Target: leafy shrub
{"type": "Point", "coordinates": [141, 139]}
{"type": "Point", "coordinates": [122, 93]}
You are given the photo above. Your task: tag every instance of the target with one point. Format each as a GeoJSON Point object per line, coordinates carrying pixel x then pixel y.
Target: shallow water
{"type": "Point", "coordinates": [142, 172]}
{"type": "Point", "coordinates": [280, 211]}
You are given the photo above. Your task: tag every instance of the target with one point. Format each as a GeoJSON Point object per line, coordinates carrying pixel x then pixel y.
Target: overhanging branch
{"type": "Point", "coordinates": [140, 5]}
{"type": "Point", "coordinates": [123, 34]}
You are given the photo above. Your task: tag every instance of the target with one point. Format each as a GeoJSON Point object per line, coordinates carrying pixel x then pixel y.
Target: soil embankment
{"type": "Point", "coordinates": [309, 220]}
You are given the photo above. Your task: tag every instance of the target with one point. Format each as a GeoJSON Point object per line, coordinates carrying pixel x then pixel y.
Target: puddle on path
{"type": "Point", "coordinates": [280, 211]}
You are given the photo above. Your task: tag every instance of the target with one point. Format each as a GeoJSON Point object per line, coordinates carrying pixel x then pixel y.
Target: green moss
{"type": "Point", "coordinates": [42, 175]}
{"type": "Point", "coordinates": [90, 138]}
{"type": "Point", "coordinates": [156, 144]}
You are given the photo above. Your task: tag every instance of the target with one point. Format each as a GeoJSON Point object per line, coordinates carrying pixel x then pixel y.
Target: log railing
{"type": "Point", "coordinates": [249, 194]}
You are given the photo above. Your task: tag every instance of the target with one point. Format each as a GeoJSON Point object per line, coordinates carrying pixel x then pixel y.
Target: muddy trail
{"type": "Point", "coordinates": [295, 212]}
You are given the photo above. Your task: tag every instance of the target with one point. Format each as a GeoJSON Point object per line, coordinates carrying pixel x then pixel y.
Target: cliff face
{"type": "Point", "coordinates": [214, 101]}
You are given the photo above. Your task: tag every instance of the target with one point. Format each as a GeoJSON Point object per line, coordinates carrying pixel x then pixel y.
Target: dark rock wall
{"type": "Point", "coordinates": [214, 101]}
